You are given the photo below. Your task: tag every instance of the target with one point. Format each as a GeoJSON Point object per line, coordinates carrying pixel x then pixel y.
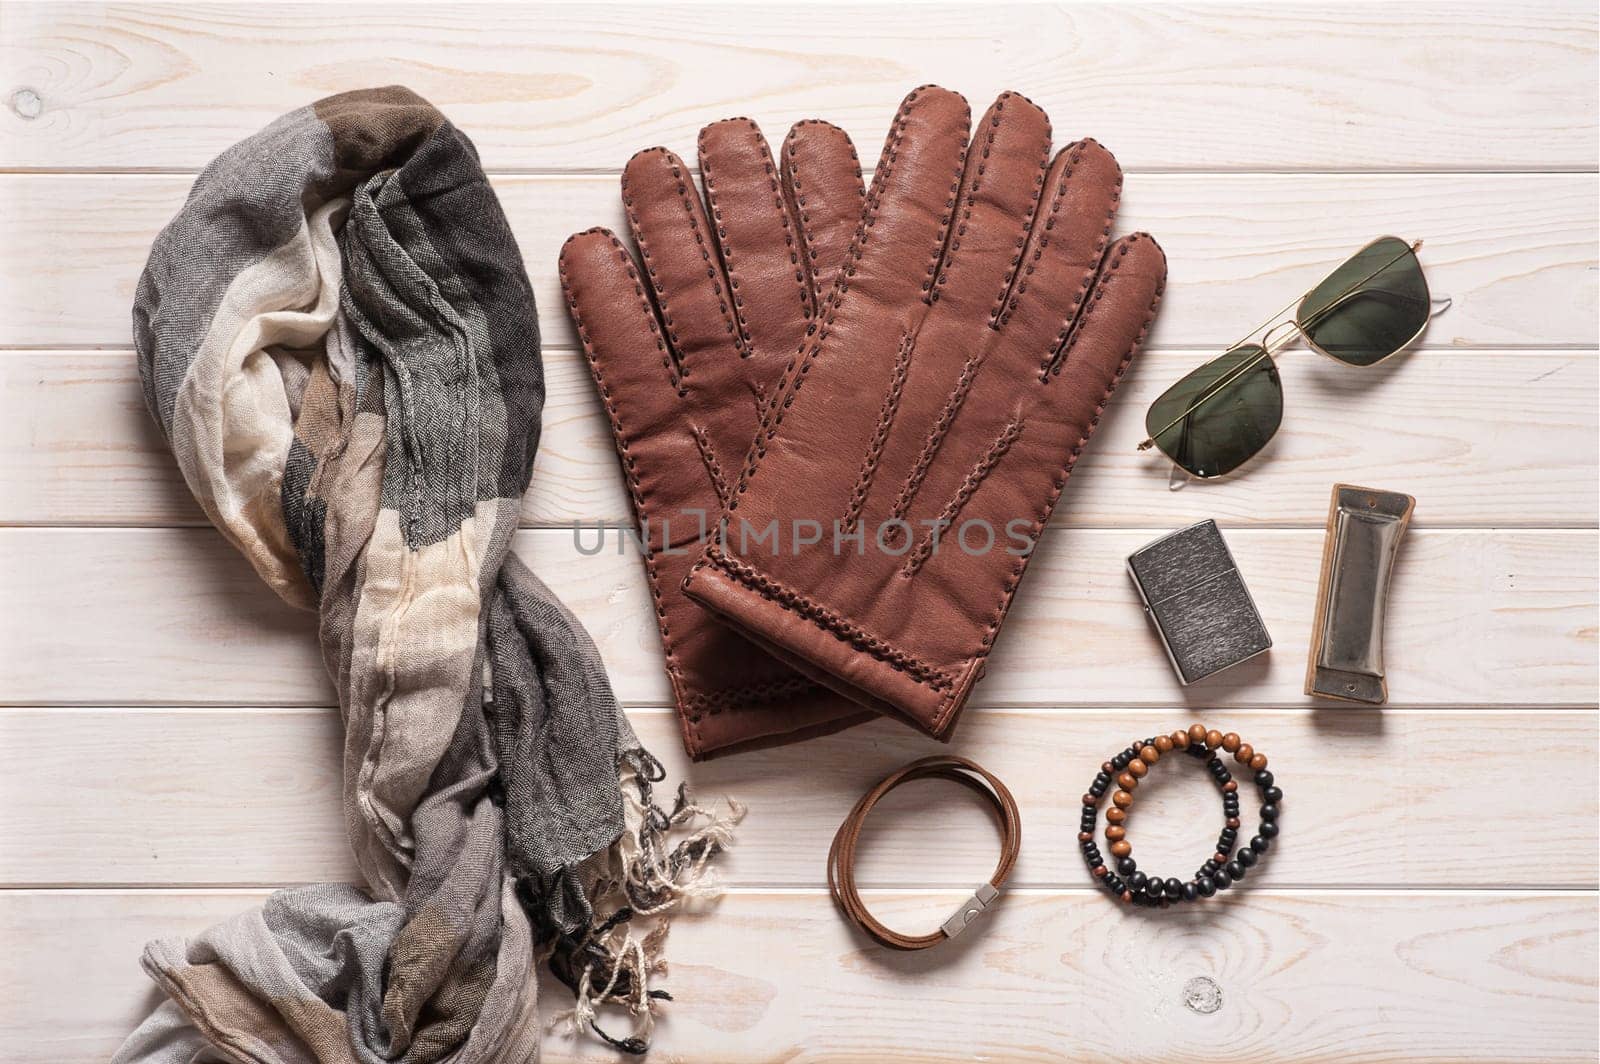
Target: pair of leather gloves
{"type": "Point", "coordinates": [880, 393]}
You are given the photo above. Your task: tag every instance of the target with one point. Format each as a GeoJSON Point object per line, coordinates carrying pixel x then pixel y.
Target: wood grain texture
{"type": "Point", "coordinates": [1226, 86]}
{"type": "Point", "coordinates": [1300, 978]}
{"type": "Point", "coordinates": [77, 446]}
{"type": "Point", "coordinates": [171, 726]}
{"type": "Point", "coordinates": [250, 797]}
{"type": "Point", "coordinates": [174, 616]}
{"type": "Point", "coordinates": [1514, 251]}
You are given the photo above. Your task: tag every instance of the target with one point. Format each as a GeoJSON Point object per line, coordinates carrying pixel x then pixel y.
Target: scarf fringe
{"type": "Point", "coordinates": [647, 875]}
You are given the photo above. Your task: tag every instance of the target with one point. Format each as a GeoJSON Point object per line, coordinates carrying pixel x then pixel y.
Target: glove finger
{"type": "Point", "coordinates": [1064, 253]}
{"type": "Point", "coordinates": [1115, 318]}
{"type": "Point", "coordinates": [822, 183]}
{"type": "Point", "coordinates": [892, 261]}
{"type": "Point", "coordinates": [759, 248]}
{"type": "Point", "coordinates": [617, 327]}
{"type": "Point", "coordinates": [1006, 169]}
{"type": "Point", "coordinates": [680, 259]}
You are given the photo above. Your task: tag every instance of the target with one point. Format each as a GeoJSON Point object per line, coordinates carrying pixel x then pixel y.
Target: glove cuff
{"type": "Point", "coordinates": [817, 641]}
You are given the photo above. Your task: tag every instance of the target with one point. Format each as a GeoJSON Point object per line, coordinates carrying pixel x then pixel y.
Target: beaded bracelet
{"type": "Point", "coordinates": [1224, 868]}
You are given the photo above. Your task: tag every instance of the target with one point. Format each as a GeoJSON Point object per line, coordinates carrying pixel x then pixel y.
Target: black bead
{"type": "Point", "coordinates": [1119, 762]}
{"type": "Point", "coordinates": [1269, 812]}
{"type": "Point", "coordinates": [1114, 885]}
{"type": "Point", "coordinates": [1247, 857]}
{"type": "Point", "coordinates": [1126, 866]}
{"type": "Point", "coordinates": [1259, 844]}
{"type": "Point", "coordinates": [1222, 879]}
{"type": "Point", "coordinates": [1206, 886]}
{"type": "Point", "coordinates": [1268, 829]}
{"type": "Point", "coordinates": [1098, 789]}
{"type": "Point", "coordinates": [1154, 889]}
{"type": "Point", "coordinates": [1174, 888]}
{"type": "Point", "coordinates": [1230, 833]}
{"type": "Point", "coordinates": [1208, 868]}
{"type": "Point", "coordinates": [1263, 778]}
{"type": "Point", "coordinates": [1190, 892]}
{"type": "Point", "coordinates": [1272, 794]}
{"type": "Point", "coordinates": [1235, 869]}
{"type": "Point", "coordinates": [1102, 777]}
{"type": "Point", "coordinates": [1136, 881]}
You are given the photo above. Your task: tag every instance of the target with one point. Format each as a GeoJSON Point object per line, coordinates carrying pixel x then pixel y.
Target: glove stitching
{"type": "Point", "coordinates": [942, 263]}
{"type": "Point", "coordinates": [886, 416]}
{"type": "Point", "coordinates": [635, 488]}
{"type": "Point", "coordinates": [711, 703]}
{"type": "Point", "coordinates": [1055, 355]}
{"type": "Point", "coordinates": [800, 362]}
{"type": "Point", "coordinates": [713, 468]}
{"type": "Point", "coordinates": [1022, 241]}
{"type": "Point", "coordinates": [976, 476]}
{"type": "Point", "coordinates": [820, 616]}
{"type": "Point", "coordinates": [1009, 589]}
{"type": "Point", "coordinates": [1060, 360]}
{"type": "Point", "coordinates": [941, 429]}
{"type": "Point", "coordinates": [685, 188]}
{"type": "Point", "coordinates": [946, 246]}
{"type": "Point", "coordinates": [795, 195]}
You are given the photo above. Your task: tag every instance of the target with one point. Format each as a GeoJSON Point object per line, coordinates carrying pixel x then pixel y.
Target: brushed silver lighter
{"type": "Point", "coordinates": [1195, 597]}
{"type": "Point", "coordinates": [1364, 530]}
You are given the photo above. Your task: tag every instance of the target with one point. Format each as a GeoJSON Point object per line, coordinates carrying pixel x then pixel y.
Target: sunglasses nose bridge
{"type": "Point", "coordinates": [1274, 342]}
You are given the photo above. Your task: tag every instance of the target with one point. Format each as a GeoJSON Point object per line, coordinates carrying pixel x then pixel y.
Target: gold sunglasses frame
{"type": "Point", "coordinates": [1271, 347]}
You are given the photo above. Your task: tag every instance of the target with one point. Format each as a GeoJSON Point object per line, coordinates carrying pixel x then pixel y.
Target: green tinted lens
{"type": "Point", "coordinates": [1370, 307]}
{"type": "Point", "coordinates": [1237, 403]}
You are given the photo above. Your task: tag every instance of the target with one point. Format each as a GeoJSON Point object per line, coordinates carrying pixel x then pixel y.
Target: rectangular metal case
{"type": "Point", "coordinates": [1365, 526]}
{"type": "Point", "coordinates": [1195, 597]}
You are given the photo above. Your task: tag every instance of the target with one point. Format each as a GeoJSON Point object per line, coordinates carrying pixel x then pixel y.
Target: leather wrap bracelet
{"type": "Point", "coordinates": [842, 854]}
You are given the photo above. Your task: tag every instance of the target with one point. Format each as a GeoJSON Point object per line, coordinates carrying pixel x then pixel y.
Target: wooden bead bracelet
{"type": "Point", "coordinates": [1224, 868]}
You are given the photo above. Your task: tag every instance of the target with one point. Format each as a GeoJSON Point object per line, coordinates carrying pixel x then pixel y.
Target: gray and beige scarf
{"type": "Point", "coordinates": [337, 336]}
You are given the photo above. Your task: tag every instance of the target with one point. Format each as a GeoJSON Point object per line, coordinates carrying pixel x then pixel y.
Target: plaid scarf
{"type": "Point", "coordinates": [337, 336]}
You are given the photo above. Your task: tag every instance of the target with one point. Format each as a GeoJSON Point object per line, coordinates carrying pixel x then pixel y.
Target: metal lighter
{"type": "Point", "coordinates": [1195, 597]}
{"type": "Point", "coordinates": [1364, 531]}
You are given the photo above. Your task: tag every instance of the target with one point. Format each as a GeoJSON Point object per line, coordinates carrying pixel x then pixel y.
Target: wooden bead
{"type": "Point", "coordinates": [1230, 742]}
{"type": "Point", "coordinates": [1122, 799]}
{"type": "Point", "coordinates": [1138, 768]}
{"type": "Point", "coordinates": [1233, 822]}
{"type": "Point", "coordinates": [1085, 836]}
{"type": "Point", "coordinates": [1258, 762]}
{"type": "Point", "coordinates": [1164, 743]}
{"type": "Point", "coordinates": [1220, 858]}
{"type": "Point", "coordinates": [1122, 848]}
{"type": "Point", "coordinates": [1115, 832]}
{"type": "Point", "coordinates": [1244, 753]}
{"type": "Point", "coordinates": [1115, 815]}
{"type": "Point", "coordinates": [1213, 738]}
{"type": "Point", "coordinates": [1180, 740]}
{"type": "Point", "coordinates": [1127, 781]}
{"type": "Point", "coordinates": [1107, 767]}
{"type": "Point", "coordinates": [1197, 733]}
{"type": "Point", "coordinates": [1230, 787]}
{"type": "Point", "coordinates": [1099, 871]}
{"type": "Point", "coordinates": [1149, 755]}
{"type": "Point", "coordinates": [1127, 895]}
{"type": "Point", "coordinates": [1089, 799]}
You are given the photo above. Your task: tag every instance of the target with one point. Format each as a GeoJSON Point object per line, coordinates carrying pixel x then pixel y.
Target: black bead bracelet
{"type": "Point", "coordinates": [1225, 867]}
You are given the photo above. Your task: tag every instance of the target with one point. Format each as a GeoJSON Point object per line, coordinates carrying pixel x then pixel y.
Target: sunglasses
{"type": "Point", "coordinates": [1222, 414]}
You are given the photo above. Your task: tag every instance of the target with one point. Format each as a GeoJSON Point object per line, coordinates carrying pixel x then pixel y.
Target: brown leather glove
{"type": "Point", "coordinates": [958, 368]}
{"type": "Point", "coordinates": [685, 357]}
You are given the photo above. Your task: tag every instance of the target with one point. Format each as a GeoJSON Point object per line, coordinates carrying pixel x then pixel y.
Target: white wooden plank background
{"type": "Point", "coordinates": [167, 750]}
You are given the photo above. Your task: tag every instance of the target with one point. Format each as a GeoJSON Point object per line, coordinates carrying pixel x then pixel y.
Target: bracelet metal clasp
{"type": "Point", "coordinates": [970, 909]}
